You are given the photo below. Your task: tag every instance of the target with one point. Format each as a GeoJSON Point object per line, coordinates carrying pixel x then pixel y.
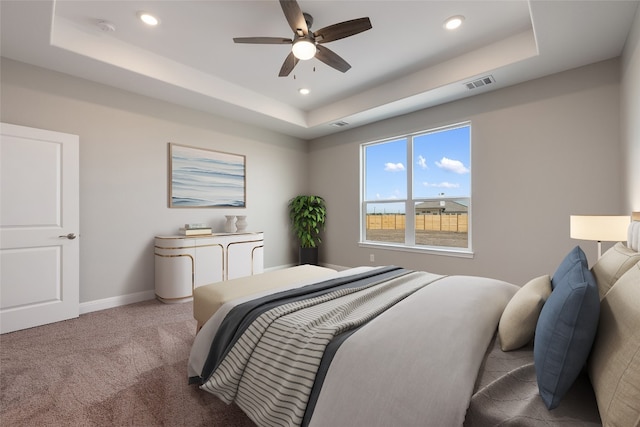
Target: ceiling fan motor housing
{"type": "Point", "coordinates": [307, 44]}
{"type": "Point", "coordinates": [308, 19]}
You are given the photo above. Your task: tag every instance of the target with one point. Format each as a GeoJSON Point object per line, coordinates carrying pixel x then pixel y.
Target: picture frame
{"type": "Point", "coordinates": [203, 178]}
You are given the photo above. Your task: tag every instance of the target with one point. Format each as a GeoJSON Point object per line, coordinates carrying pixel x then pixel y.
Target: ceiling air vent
{"type": "Point", "coordinates": [339, 124]}
{"type": "Point", "coordinates": [480, 82]}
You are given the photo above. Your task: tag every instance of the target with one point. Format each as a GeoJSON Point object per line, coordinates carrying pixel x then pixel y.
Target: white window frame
{"type": "Point", "coordinates": [410, 202]}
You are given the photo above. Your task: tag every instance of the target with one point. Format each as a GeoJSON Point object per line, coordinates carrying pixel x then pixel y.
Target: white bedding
{"type": "Point", "coordinates": [415, 364]}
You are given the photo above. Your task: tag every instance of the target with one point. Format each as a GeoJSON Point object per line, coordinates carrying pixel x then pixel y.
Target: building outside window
{"type": "Point", "coordinates": [416, 191]}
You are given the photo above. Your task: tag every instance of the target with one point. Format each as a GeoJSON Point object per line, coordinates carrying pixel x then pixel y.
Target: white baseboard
{"type": "Point", "coordinates": [112, 302]}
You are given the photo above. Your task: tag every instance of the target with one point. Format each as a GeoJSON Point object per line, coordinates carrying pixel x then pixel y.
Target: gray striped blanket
{"type": "Point", "coordinates": [271, 369]}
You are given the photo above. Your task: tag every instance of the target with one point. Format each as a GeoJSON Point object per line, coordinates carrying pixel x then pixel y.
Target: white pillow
{"type": "Point", "coordinates": [520, 317]}
{"type": "Point", "coordinates": [612, 265]}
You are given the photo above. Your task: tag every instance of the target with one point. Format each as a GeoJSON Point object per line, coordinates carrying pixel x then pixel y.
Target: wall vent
{"type": "Point", "coordinates": [484, 81]}
{"type": "Point", "coordinates": [339, 124]}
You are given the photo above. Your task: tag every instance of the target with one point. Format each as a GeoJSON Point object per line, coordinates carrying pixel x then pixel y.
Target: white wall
{"type": "Point", "coordinates": [541, 151]}
{"type": "Point", "coordinates": [630, 118]}
{"type": "Point", "coordinates": [123, 172]}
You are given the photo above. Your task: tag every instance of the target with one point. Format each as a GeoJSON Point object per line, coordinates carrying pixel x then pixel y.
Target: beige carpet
{"type": "Point", "coordinates": [125, 366]}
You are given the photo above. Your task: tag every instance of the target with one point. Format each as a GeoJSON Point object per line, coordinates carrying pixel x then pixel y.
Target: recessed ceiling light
{"type": "Point", "coordinates": [304, 91]}
{"type": "Point", "coordinates": [148, 18]}
{"type": "Point", "coordinates": [453, 22]}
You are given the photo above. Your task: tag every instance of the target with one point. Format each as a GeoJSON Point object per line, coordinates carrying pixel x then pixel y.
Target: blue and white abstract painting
{"type": "Point", "coordinates": [205, 178]}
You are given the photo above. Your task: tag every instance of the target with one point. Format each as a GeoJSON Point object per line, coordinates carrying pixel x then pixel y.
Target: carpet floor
{"type": "Point", "coordinates": [125, 366]}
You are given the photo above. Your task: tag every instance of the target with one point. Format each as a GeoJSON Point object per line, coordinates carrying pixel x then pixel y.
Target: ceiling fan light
{"type": "Point", "coordinates": [304, 49]}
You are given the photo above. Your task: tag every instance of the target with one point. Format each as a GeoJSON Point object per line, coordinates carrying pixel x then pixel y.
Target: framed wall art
{"type": "Point", "coordinates": [201, 178]}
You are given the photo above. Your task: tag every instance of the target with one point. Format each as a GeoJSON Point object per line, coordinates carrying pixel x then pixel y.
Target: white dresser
{"type": "Point", "coordinates": [183, 263]}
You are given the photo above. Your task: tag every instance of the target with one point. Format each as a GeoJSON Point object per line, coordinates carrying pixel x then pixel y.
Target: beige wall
{"type": "Point", "coordinates": [541, 151]}
{"type": "Point", "coordinates": [123, 172]}
{"type": "Point", "coordinates": [630, 117]}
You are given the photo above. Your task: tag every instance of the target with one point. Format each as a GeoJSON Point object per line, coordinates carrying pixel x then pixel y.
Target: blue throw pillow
{"type": "Point", "coordinates": [566, 328]}
{"type": "Point", "coordinates": [571, 268]}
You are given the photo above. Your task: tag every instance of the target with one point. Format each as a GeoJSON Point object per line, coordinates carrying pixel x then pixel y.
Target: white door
{"type": "Point", "coordinates": [39, 226]}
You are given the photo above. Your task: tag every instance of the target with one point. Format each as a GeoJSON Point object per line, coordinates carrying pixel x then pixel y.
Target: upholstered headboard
{"type": "Point", "coordinates": [614, 364]}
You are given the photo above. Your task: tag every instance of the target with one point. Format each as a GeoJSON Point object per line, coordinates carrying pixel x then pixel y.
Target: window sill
{"type": "Point", "coordinates": [453, 252]}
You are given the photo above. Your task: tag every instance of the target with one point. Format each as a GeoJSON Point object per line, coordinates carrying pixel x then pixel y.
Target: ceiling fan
{"type": "Point", "coordinates": [307, 44]}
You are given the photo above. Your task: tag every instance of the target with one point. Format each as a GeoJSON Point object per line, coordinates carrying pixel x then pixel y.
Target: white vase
{"type": "Point", "coordinates": [241, 223]}
{"type": "Point", "coordinates": [230, 225]}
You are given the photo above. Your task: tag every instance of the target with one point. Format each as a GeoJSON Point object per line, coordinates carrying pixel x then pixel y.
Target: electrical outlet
{"type": "Point", "coordinates": [372, 258]}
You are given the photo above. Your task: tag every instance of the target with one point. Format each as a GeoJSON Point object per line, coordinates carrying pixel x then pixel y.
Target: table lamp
{"type": "Point", "coordinates": [608, 228]}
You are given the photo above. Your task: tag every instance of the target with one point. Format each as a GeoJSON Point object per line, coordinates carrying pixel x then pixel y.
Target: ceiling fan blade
{"type": "Point", "coordinates": [332, 59]}
{"type": "Point", "coordinates": [288, 65]}
{"type": "Point", "coordinates": [262, 40]}
{"type": "Point", "coordinates": [342, 30]}
{"type": "Point", "coordinates": [294, 16]}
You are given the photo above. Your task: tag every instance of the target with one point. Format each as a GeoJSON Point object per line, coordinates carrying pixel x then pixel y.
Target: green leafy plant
{"type": "Point", "coordinates": [308, 215]}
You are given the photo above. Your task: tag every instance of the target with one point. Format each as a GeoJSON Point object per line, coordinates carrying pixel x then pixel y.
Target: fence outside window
{"type": "Point", "coordinates": [458, 223]}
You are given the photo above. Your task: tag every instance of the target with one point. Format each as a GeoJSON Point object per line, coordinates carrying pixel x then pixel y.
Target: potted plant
{"type": "Point", "coordinates": [308, 215]}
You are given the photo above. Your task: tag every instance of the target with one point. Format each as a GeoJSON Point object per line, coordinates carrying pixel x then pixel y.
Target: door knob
{"type": "Point", "coordinates": [69, 236]}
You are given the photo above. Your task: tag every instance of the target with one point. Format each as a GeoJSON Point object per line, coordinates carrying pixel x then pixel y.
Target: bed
{"type": "Point", "coordinates": [380, 346]}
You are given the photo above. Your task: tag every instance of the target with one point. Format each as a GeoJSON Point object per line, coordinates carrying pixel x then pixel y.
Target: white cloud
{"type": "Point", "coordinates": [450, 165]}
{"type": "Point", "coordinates": [441, 184]}
{"type": "Point", "coordinates": [393, 167]}
{"type": "Point", "coordinates": [422, 162]}
{"type": "Point", "coordinates": [396, 194]}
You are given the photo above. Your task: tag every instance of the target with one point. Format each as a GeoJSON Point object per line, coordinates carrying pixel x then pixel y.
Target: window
{"type": "Point", "coordinates": [416, 190]}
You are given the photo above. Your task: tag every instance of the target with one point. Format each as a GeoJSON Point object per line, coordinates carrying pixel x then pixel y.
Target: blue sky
{"type": "Point", "coordinates": [441, 164]}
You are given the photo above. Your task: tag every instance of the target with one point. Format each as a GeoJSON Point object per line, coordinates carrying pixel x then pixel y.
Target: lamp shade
{"type": "Point", "coordinates": [609, 228]}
